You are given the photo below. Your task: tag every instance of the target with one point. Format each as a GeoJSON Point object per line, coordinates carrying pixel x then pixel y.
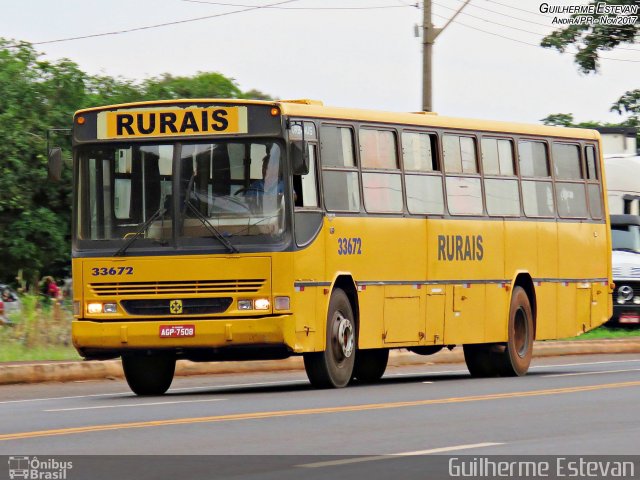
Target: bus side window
{"type": "Point", "coordinates": [305, 187]}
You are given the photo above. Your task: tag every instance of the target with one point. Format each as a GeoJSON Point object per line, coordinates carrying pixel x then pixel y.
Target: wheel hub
{"type": "Point", "coordinates": [345, 335]}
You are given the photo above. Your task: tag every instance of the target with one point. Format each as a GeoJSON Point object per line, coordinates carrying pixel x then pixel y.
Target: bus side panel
{"type": "Point", "coordinates": [574, 249]}
{"type": "Point", "coordinates": [546, 292]}
{"type": "Point", "coordinates": [465, 254]}
{"type": "Point", "coordinates": [384, 255]}
{"type": "Point", "coordinates": [308, 301]}
{"type": "Point", "coordinates": [599, 269]}
{"type": "Point", "coordinates": [497, 297]}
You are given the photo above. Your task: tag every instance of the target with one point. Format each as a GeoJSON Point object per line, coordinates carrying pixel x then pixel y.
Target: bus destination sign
{"type": "Point", "coordinates": [169, 122]}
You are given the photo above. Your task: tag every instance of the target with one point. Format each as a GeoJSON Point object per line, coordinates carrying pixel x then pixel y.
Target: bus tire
{"type": "Point", "coordinates": [370, 365]}
{"type": "Point", "coordinates": [333, 368]}
{"type": "Point", "coordinates": [149, 374]}
{"type": "Point", "coordinates": [515, 360]}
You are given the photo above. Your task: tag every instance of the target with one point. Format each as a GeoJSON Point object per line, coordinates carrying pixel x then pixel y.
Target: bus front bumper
{"type": "Point", "coordinates": [115, 338]}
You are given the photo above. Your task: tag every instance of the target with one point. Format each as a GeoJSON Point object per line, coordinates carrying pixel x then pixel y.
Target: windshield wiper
{"type": "Point", "coordinates": [143, 228]}
{"type": "Point", "coordinates": [214, 232]}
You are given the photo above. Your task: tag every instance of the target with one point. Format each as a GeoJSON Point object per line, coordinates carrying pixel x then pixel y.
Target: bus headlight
{"type": "Point", "coordinates": [94, 308]}
{"type": "Point", "coordinates": [262, 304]}
{"type": "Point", "coordinates": [109, 308]}
{"type": "Point", "coordinates": [245, 305]}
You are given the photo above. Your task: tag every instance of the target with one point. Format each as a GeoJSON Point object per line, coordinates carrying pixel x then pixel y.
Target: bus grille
{"type": "Point", "coordinates": [193, 287]}
{"type": "Point", "coordinates": [190, 306]}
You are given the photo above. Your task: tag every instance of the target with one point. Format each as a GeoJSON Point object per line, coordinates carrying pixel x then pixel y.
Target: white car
{"type": "Point", "coordinates": [625, 240]}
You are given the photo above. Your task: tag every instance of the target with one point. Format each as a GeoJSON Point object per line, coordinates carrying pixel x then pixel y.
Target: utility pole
{"type": "Point", "coordinates": [429, 35]}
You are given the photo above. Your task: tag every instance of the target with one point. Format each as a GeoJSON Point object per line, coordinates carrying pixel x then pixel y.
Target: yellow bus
{"type": "Point", "coordinates": [229, 229]}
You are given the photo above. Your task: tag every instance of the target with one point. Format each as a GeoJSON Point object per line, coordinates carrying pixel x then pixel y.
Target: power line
{"type": "Point", "coordinates": [526, 20]}
{"type": "Point", "coordinates": [159, 25]}
{"type": "Point", "coordinates": [516, 8]}
{"type": "Point", "coordinates": [379, 7]}
{"type": "Point", "coordinates": [600, 57]}
{"type": "Point", "coordinates": [489, 21]}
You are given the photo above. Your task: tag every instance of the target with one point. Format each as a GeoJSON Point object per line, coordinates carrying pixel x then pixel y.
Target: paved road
{"type": "Point", "coordinates": [566, 405]}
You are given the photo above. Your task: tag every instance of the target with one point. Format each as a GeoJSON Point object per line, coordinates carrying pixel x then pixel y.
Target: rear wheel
{"type": "Point", "coordinates": [513, 358]}
{"type": "Point", "coordinates": [333, 368]}
{"type": "Point", "coordinates": [370, 365]}
{"type": "Point", "coordinates": [150, 374]}
{"type": "Point", "coordinates": [517, 356]}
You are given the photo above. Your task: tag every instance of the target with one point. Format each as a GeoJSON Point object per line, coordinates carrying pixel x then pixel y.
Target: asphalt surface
{"type": "Point", "coordinates": [565, 405]}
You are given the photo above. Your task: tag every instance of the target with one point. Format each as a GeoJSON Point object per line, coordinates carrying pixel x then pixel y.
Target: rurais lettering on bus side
{"type": "Point", "coordinates": [460, 248]}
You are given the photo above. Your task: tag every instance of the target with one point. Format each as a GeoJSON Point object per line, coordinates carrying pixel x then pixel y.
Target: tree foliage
{"type": "Point", "coordinates": [591, 39]}
{"type": "Point", "coordinates": [36, 95]}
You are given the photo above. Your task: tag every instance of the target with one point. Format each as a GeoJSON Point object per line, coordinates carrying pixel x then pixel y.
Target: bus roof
{"type": "Point", "coordinates": [316, 109]}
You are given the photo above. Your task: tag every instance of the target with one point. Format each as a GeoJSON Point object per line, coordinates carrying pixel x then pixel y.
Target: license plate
{"type": "Point", "coordinates": [174, 331]}
{"type": "Point", "coordinates": [629, 319]}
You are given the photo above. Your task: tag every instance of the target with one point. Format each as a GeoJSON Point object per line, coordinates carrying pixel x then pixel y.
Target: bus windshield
{"type": "Point", "coordinates": [166, 193]}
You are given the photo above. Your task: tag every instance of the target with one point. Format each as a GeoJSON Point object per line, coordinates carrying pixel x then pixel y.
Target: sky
{"type": "Point", "coordinates": [339, 52]}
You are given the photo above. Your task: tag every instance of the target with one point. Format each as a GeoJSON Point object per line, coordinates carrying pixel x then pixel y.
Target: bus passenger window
{"type": "Point", "coordinates": [503, 197]}
{"type": "Point", "coordinates": [341, 191]}
{"type": "Point", "coordinates": [378, 149]}
{"type": "Point", "coordinates": [464, 196]}
{"type": "Point", "coordinates": [418, 152]}
{"type": "Point", "coordinates": [571, 200]}
{"type": "Point", "coordinates": [382, 192]}
{"type": "Point", "coordinates": [305, 191]}
{"type": "Point", "coordinates": [592, 172]}
{"type": "Point", "coordinates": [566, 161]}
{"type": "Point", "coordinates": [595, 204]}
{"type": "Point", "coordinates": [424, 194]}
{"type": "Point", "coordinates": [533, 159]}
{"type": "Point", "coordinates": [537, 198]}
{"type": "Point", "coordinates": [459, 154]}
{"type": "Point", "coordinates": [336, 146]}
{"type": "Point", "coordinates": [497, 156]}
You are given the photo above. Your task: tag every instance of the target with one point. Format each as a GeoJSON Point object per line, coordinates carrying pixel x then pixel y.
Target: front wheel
{"type": "Point", "coordinates": [333, 368]}
{"type": "Point", "coordinates": [149, 374]}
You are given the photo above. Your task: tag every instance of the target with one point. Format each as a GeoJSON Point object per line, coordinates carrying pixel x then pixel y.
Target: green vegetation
{"type": "Point", "coordinates": [603, 332]}
{"type": "Point", "coordinates": [41, 332]}
{"type": "Point", "coordinates": [36, 95]}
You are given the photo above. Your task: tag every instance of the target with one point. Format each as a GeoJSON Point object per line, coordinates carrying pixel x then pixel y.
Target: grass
{"type": "Point", "coordinates": [42, 331]}
{"type": "Point", "coordinates": [603, 332]}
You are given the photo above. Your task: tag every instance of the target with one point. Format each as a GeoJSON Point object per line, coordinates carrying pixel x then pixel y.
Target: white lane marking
{"type": "Point", "coordinates": [590, 373]}
{"type": "Point", "coordinates": [424, 373]}
{"type": "Point", "coordinates": [417, 374]}
{"type": "Point", "coordinates": [427, 382]}
{"type": "Point", "coordinates": [275, 382]}
{"type": "Point", "coordinates": [66, 398]}
{"type": "Point", "coordinates": [170, 390]}
{"type": "Point", "coordinates": [585, 363]}
{"type": "Point", "coordinates": [347, 461]}
{"type": "Point", "coordinates": [96, 407]}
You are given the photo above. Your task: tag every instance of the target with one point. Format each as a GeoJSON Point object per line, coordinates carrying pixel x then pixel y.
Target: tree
{"type": "Point", "coordinates": [36, 95]}
{"type": "Point", "coordinates": [590, 39]}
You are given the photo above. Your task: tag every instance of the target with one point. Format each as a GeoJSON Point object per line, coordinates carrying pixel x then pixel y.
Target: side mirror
{"type": "Point", "coordinates": [55, 164]}
{"type": "Point", "coordinates": [299, 154]}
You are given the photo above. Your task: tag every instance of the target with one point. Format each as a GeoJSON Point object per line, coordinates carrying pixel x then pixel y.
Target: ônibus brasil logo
{"type": "Point", "coordinates": [38, 469]}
